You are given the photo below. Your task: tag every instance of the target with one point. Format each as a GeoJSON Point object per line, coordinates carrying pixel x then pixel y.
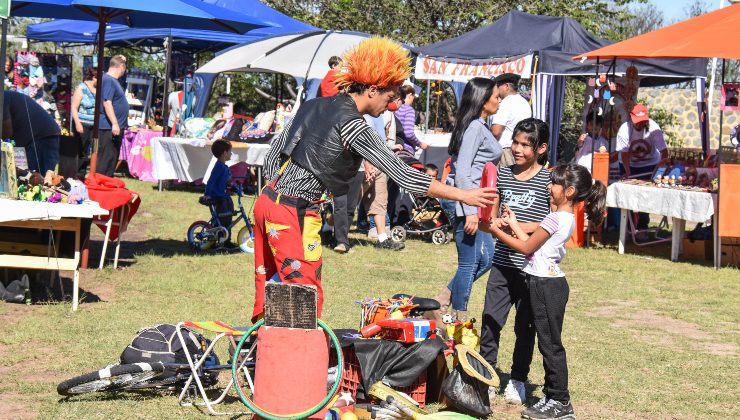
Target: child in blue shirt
{"type": "Point", "coordinates": [216, 185]}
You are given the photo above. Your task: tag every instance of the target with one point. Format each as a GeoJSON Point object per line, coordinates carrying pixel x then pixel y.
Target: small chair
{"type": "Point", "coordinates": [118, 218]}
{"type": "Point", "coordinates": [634, 231]}
{"type": "Point", "coordinates": [222, 330]}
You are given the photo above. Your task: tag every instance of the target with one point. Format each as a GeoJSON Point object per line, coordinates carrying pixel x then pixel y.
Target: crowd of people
{"type": "Point", "coordinates": [341, 147]}
{"type": "Point", "coordinates": [33, 127]}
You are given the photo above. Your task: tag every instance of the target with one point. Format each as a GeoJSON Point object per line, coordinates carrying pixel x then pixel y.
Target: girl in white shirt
{"type": "Point", "coordinates": [548, 289]}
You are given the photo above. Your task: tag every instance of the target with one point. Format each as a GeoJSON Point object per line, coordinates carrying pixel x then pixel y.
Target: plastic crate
{"type": "Point", "coordinates": [352, 377]}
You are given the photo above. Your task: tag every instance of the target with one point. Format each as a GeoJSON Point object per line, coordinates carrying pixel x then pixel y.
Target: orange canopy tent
{"type": "Point", "coordinates": [710, 35]}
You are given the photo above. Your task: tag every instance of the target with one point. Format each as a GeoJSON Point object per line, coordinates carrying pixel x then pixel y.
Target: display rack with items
{"type": "Point", "coordinates": [48, 79]}
{"type": "Point", "coordinates": [139, 96]}
{"type": "Point", "coordinates": [58, 73]}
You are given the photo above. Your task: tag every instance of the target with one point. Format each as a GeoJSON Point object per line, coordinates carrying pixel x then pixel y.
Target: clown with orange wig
{"type": "Point", "coordinates": [318, 153]}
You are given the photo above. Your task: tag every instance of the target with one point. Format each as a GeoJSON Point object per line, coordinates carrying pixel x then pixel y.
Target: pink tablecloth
{"type": "Point", "coordinates": [136, 150]}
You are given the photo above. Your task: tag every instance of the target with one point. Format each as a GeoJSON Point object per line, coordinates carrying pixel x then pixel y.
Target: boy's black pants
{"type": "Point", "coordinates": [225, 211]}
{"type": "Point", "coordinates": [507, 287]}
{"type": "Point", "coordinates": [548, 297]}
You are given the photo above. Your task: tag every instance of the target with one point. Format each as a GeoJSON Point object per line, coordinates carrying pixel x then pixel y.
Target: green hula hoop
{"type": "Point", "coordinates": [293, 416]}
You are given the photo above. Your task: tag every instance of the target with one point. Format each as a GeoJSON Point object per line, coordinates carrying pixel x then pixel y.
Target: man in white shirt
{"type": "Point", "coordinates": [173, 103]}
{"type": "Point", "coordinates": [640, 144]}
{"type": "Point", "coordinates": [641, 147]}
{"type": "Point", "coordinates": [513, 108]}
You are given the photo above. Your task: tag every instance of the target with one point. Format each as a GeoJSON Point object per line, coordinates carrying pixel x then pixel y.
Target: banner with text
{"type": "Point", "coordinates": [459, 70]}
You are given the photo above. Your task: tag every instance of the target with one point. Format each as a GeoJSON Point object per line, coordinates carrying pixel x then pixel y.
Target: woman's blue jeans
{"type": "Point", "coordinates": [474, 258]}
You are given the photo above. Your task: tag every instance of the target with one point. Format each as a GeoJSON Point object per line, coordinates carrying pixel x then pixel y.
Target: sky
{"type": "Point", "coordinates": [674, 9]}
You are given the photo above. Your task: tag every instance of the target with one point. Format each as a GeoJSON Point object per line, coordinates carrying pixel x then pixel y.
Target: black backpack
{"type": "Point", "coordinates": [160, 343]}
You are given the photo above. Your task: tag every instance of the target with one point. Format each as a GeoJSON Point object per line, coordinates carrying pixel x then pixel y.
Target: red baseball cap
{"type": "Point", "coordinates": [639, 114]}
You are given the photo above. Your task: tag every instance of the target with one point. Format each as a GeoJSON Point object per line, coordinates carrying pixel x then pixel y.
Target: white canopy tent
{"type": "Point", "coordinates": [302, 55]}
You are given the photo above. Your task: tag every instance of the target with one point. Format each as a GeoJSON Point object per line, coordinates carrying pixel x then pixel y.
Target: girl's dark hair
{"type": "Point", "coordinates": [593, 193]}
{"type": "Point", "coordinates": [477, 92]}
{"type": "Point", "coordinates": [537, 132]}
{"type": "Point", "coordinates": [91, 73]}
{"type": "Point", "coordinates": [405, 91]}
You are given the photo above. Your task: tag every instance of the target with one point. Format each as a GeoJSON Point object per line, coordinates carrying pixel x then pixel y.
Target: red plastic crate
{"type": "Point", "coordinates": [352, 377]}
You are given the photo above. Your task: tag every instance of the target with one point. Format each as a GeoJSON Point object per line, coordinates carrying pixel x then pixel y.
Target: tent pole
{"type": "Point", "coordinates": [721, 112]}
{"type": "Point", "coordinates": [167, 67]}
{"type": "Point", "coordinates": [593, 151]}
{"type": "Point", "coordinates": [98, 95]}
{"type": "Point", "coordinates": [714, 70]}
{"type": "Point", "coordinates": [426, 115]}
{"type": "Point", "coordinates": [717, 240]}
{"type": "Point", "coordinates": [3, 54]}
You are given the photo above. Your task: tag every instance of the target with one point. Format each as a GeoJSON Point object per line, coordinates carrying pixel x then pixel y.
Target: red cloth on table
{"type": "Point", "coordinates": [112, 195]}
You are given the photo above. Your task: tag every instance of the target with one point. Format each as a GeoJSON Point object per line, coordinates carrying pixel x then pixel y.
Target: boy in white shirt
{"type": "Point", "coordinates": [585, 147]}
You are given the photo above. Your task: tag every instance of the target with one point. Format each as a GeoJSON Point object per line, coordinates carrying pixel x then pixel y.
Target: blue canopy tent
{"type": "Point", "coordinates": [192, 14]}
{"type": "Point", "coordinates": [539, 47]}
{"type": "Point", "coordinates": [71, 31]}
{"type": "Point", "coordinates": [85, 32]}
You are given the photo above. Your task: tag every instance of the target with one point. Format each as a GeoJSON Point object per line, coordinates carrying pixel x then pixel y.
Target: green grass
{"type": "Point", "coordinates": [645, 337]}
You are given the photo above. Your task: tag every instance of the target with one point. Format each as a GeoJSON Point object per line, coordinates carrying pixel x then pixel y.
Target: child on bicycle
{"type": "Point", "coordinates": [548, 289]}
{"type": "Point", "coordinates": [216, 185]}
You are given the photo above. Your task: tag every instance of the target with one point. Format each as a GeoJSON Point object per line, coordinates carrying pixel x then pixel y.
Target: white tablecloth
{"type": "Point", "coordinates": [436, 153]}
{"type": "Point", "coordinates": [691, 206]}
{"type": "Point", "coordinates": [12, 210]}
{"type": "Point", "coordinates": [191, 159]}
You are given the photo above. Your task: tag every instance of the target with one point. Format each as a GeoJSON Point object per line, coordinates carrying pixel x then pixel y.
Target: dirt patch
{"type": "Point", "coordinates": [653, 320]}
{"type": "Point", "coordinates": [17, 407]}
{"type": "Point", "coordinates": [666, 331]}
{"type": "Point", "coordinates": [611, 309]}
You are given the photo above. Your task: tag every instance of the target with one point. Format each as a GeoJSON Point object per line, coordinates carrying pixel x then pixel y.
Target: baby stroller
{"type": "Point", "coordinates": [427, 218]}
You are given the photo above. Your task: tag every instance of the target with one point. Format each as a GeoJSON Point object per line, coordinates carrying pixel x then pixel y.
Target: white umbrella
{"type": "Point", "coordinates": [302, 55]}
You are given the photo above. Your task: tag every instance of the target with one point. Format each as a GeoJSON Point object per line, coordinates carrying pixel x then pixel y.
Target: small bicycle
{"type": "Point", "coordinates": [203, 235]}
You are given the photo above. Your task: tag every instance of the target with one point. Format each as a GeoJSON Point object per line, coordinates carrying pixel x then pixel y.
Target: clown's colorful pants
{"type": "Point", "coordinates": [287, 244]}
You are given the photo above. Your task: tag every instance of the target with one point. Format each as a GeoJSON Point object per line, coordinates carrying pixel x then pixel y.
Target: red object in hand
{"type": "Point", "coordinates": [487, 180]}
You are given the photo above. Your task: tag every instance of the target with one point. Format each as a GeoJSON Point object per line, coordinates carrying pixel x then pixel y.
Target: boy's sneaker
{"type": "Point", "coordinates": [514, 392]}
{"type": "Point", "coordinates": [549, 409]}
{"type": "Point", "coordinates": [390, 244]}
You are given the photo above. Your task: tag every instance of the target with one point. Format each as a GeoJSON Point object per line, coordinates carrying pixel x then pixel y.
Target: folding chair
{"type": "Point", "coordinates": [222, 331]}
{"type": "Point", "coordinates": [663, 225]}
{"type": "Point", "coordinates": [121, 214]}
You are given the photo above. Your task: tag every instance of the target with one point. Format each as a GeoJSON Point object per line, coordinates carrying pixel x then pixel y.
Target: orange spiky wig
{"type": "Point", "coordinates": [375, 61]}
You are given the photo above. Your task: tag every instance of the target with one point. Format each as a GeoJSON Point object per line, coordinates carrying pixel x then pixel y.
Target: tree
{"type": "Point", "coordinates": [644, 18]}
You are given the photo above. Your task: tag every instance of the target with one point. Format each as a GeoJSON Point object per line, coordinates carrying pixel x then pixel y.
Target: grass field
{"type": "Point", "coordinates": [646, 338]}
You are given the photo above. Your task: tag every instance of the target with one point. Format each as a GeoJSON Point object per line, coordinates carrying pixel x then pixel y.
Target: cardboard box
{"type": "Point", "coordinates": [730, 252]}
{"type": "Point", "coordinates": [697, 250]}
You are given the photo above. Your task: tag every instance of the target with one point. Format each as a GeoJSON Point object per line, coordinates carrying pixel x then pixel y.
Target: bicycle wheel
{"type": "Point", "coordinates": [199, 238]}
{"type": "Point", "coordinates": [246, 240]}
{"type": "Point", "coordinates": [112, 378]}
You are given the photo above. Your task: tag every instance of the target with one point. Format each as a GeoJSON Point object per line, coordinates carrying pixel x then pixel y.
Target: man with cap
{"type": "Point", "coordinates": [513, 108]}
{"type": "Point", "coordinates": [641, 146]}
{"type": "Point", "coordinates": [318, 153]}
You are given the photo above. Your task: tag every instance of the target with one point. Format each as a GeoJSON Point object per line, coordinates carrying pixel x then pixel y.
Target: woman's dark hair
{"type": "Point", "coordinates": [537, 132]}
{"type": "Point", "coordinates": [593, 193]}
{"type": "Point", "coordinates": [406, 90]}
{"type": "Point", "coordinates": [91, 73]}
{"type": "Point", "coordinates": [477, 92]}
{"type": "Point", "coordinates": [9, 62]}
